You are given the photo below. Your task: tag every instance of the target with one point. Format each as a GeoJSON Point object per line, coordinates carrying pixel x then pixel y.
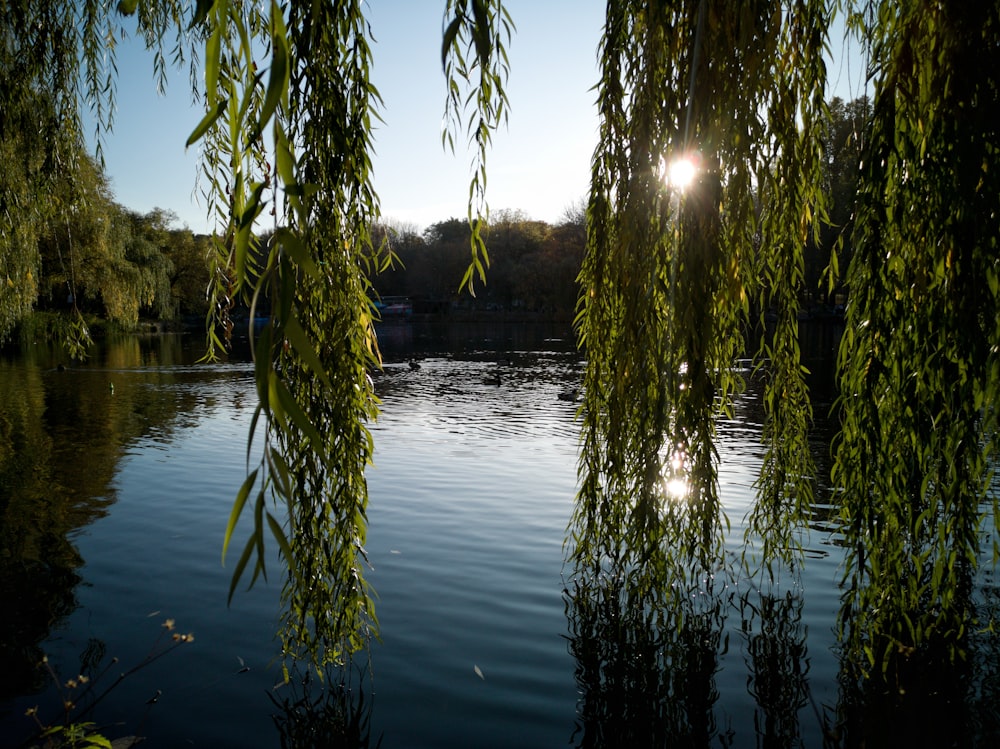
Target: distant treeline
{"type": "Point", "coordinates": [84, 252]}
{"type": "Point", "coordinates": [533, 265]}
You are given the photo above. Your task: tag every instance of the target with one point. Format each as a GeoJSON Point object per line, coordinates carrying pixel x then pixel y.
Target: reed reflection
{"type": "Point", "coordinates": [646, 650]}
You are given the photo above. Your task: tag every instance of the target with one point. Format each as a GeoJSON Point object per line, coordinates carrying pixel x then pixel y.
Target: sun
{"type": "Point", "coordinates": [681, 172]}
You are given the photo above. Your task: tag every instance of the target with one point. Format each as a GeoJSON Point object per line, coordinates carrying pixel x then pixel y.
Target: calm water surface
{"type": "Point", "coordinates": [119, 480]}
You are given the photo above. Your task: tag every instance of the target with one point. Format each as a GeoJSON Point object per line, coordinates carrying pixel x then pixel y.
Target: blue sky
{"type": "Point", "coordinates": [539, 163]}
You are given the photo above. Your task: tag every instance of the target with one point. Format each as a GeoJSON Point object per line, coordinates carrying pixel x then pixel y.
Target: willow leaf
{"type": "Point", "coordinates": [277, 85]}
{"type": "Point", "coordinates": [279, 535]}
{"type": "Point", "coordinates": [237, 510]}
{"type": "Point", "coordinates": [303, 346]}
{"type": "Point", "coordinates": [284, 405]}
{"type": "Point", "coordinates": [206, 122]}
{"type": "Point", "coordinates": [448, 39]}
{"type": "Point", "coordinates": [248, 550]}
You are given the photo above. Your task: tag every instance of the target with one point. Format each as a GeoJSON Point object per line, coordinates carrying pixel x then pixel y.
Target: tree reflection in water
{"type": "Point", "coordinates": [46, 493]}
{"type": "Point", "coordinates": [646, 658]}
{"type": "Point", "coordinates": [945, 693]}
{"type": "Point", "coordinates": [323, 712]}
{"type": "Point", "coordinates": [63, 432]}
{"type": "Point", "coordinates": [776, 657]}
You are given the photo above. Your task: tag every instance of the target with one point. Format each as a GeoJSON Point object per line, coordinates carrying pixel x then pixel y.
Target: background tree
{"type": "Point", "coordinates": [98, 257]}
{"type": "Point", "coordinates": [403, 240]}
{"type": "Point", "coordinates": [51, 55]}
{"type": "Point", "coordinates": [144, 260]}
{"type": "Point", "coordinates": [77, 241]}
{"type": "Point", "coordinates": [513, 241]}
{"type": "Point", "coordinates": [533, 265]}
{"type": "Point", "coordinates": [560, 261]}
{"type": "Point", "coordinates": [444, 251]}
{"type": "Point", "coordinates": [188, 255]}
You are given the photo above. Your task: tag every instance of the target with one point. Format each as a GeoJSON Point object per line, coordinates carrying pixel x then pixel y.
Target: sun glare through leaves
{"type": "Point", "coordinates": [681, 172]}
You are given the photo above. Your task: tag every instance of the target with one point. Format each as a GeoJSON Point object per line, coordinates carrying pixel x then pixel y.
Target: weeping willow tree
{"type": "Point", "coordinates": [674, 270]}
{"type": "Point", "coordinates": [53, 57]}
{"type": "Point", "coordinates": [39, 139]}
{"type": "Point", "coordinates": [919, 379]}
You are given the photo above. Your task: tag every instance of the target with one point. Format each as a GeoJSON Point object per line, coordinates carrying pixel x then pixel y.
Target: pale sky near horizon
{"type": "Point", "coordinates": [539, 163]}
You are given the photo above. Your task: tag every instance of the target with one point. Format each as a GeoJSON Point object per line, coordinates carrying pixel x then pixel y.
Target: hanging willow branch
{"type": "Point", "coordinates": [313, 356]}
{"type": "Point", "coordinates": [474, 56]}
{"type": "Point", "coordinates": [918, 365]}
{"type": "Point", "coordinates": [670, 270]}
{"type": "Point", "coordinates": [793, 209]}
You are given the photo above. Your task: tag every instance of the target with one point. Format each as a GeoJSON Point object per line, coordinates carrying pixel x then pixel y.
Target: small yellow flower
{"type": "Point", "coordinates": [71, 684]}
{"type": "Point", "coordinates": [31, 712]}
{"type": "Point", "coordinates": [83, 679]}
{"type": "Point", "coordinates": [169, 624]}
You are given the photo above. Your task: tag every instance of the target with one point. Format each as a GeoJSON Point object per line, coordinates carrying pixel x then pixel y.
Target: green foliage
{"type": "Point", "coordinates": [515, 244]}
{"type": "Point", "coordinates": [97, 256]}
{"type": "Point", "coordinates": [189, 257]}
{"type": "Point", "coordinates": [473, 54]}
{"type": "Point", "coordinates": [918, 364]}
{"type": "Point", "coordinates": [432, 265]}
{"type": "Point", "coordinates": [670, 271]}
{"type": "Point", "coordinates": [54, 201]}
{"type": "Point", "coordinates": [26, 119]}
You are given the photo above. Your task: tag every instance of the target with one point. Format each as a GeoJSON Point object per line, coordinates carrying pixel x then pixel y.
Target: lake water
{"type": "Point", "coordinates": [118, 477]}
